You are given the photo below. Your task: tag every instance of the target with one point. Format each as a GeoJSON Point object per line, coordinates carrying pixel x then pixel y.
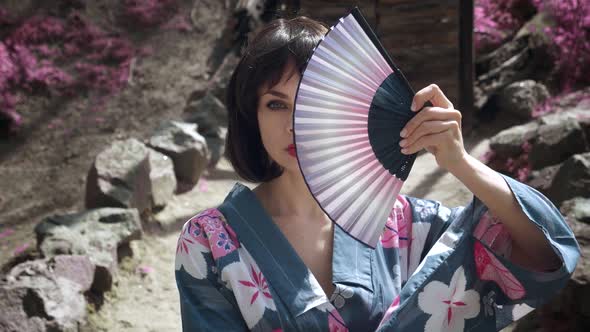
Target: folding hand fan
{"type": "Point", "coordinates": [351, 104]}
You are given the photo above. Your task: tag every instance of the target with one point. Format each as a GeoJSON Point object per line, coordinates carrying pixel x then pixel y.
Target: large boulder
{"type": "Point", "coordinates": [162, 177]}
{"type": "Point", "coordinates": [557, 140]}
{"type": "Point", "coordinates": [572, 179]}
{"type": "Point", "coordinates": [220, 80]}
{"type": "Point", "coordinates": [521, 98]}
{"type": "Point", "coordinates": [207, 111]}
{"type": "Point", "coordinates": [210, 115]}
{"type": "Point", "coordinates": [543, 179]}
{"type": "Point", "coordinates": [46, 294]}
{"type": "Point", "coordinates": [508, 142]}
{"type": "Point", "coordinates": [120, 177]}
{"type": "Point", "coordinates": [99, 234]}
{"type": "Point", "coordinates": [187, 148]}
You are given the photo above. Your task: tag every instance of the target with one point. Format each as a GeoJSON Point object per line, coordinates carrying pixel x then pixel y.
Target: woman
{"type": "Point", "coordinates": [269, 259]}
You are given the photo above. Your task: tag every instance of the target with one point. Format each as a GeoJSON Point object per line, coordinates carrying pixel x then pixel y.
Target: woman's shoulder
{"type": "Point", "coordinates": [209, 230]}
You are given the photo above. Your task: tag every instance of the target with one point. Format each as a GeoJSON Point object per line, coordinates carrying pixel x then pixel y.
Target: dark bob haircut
{"type": "Point", "coordinates": [265, 59]}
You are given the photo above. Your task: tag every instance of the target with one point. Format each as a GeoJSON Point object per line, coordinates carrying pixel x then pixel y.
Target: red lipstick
{"type": "Point", "coordinates": [291, 150]}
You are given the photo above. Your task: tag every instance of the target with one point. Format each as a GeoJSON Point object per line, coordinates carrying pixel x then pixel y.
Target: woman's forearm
{"type": "Point", "coordinates": [530, 247]}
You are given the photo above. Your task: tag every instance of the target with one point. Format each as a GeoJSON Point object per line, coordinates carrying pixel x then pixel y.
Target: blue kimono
{"type": "Point", "coordinates": [434, 269]}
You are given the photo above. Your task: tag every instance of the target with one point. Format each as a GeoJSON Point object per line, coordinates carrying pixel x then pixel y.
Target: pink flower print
{"type": "Point", "coordinates": [449, 305]}
{"type": "Point", "coordinates": [216, 233]}
{"type": "Point", "coordinates": [390, 237]}
{"type": "Point", "coordinates": [196, 233]}
{"type": "Point", "coordinates": [224, 242]}
{"type": "Point", "coordinates": [211, 225]}
{"type": "Point", "coordinates": [392, 308]}
{"type": "Point", "coordinates": [335, 322]}
{"type": "Point", "coordinates": [258, 282]}
{"type": "Point", "coordinates": [395, 233]}
{"type": "Point", "coordinates": [488, 267]}
{"type": "Point", "coordinates": [492, 233]}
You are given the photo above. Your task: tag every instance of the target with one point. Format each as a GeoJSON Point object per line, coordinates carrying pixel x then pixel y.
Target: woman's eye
{"type": "Point", "coordinates": [276, 105]}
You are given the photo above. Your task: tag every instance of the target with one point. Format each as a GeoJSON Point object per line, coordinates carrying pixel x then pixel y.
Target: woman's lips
{"type": "Point", "coordinates": [291, 150]}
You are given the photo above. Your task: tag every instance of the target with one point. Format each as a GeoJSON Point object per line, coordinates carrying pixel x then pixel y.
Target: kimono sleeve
{"type": "Point", "coordinates": [205, 303]}
{"type": "Point", "coordinates": [465, 282]}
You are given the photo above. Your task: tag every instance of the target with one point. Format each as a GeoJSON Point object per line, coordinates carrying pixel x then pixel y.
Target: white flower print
{"type": "Point", "coordinates": [520, 310]}
{"type": "Point", "coordinates": [397, 278]}
{"type": "Point", "coordinates": [449, 305]}
{"type": "Point", "coordinates": [189, 252]}
{"type": "Point", "coordinates": [424, 208]}
{"type": "Point", "coordinates": [419, 235]}
{"type": "Point", "coordinates": [341, 293]}
{"type": "Point", "coordinates": [249, 286]}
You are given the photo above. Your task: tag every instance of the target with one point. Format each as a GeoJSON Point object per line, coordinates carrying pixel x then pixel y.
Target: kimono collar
{"type": "Point", "coordinates": [285, 271]}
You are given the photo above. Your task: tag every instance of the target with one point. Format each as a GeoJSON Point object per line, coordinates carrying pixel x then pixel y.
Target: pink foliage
{"type": "Point", "coordinates": [70, 55]}
{"type": "Point", "coordinates": [571, 35]}
{"type": "Point", "coordinates": [64, 56]}
{"type": "Point", "coordinates": [561, 101]}
{"type": "Point", "coordinates": [518, 167]}
{"type": "Point", "coordinates": [5, 17]}
{"type": "Point", "coordinates": [148, 13]}
{"type": "Point", "coordinates": [494, 22]}
{"type": "Point", "coordinates": [179, 22]}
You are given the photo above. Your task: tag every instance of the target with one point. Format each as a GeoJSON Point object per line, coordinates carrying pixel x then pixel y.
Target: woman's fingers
{"type": "Point", "coordinates": [432, 140]}
{"type": "Point", "coordinates": [428, 128]}
{"type": "Point", "coordinates": [430, 114]}
{"type": "Point", "coordinates": [433, 94]}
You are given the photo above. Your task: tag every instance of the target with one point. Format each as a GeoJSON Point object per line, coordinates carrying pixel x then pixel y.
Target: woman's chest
{"type": "Point", "coordinates": [314, 245]}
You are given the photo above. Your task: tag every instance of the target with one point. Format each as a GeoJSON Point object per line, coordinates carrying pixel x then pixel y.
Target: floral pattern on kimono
{"type": "Point", "coordinates": [434, 269]}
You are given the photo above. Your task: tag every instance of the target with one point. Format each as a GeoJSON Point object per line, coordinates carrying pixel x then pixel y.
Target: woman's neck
{"type": "Point", "coordinates": [288, 197]}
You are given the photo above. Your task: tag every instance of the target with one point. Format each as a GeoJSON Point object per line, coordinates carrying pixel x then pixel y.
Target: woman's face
{"type": "Point", "coordinates": [275, 119]}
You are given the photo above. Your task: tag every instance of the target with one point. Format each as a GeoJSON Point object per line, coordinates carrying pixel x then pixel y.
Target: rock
{"type": "Point", "coordinates": [216, 148]}
{"type": "Point", "coordinates": [543, 178]}
{"type": "Point", "coordinates": [162, 177]}
{"type": "Point", "coordinates": [556, 141]}
{"type": "Point", "coordinates": [572, 179]}
{"type": "Point", "coordinates": [577, 214]}
{"type": "Point", "coordinates": [187, 148]}
{"type": "Point", "coordinates": [178, 211]}
{"type": "Point", "coordinates": [508, 142]}
{"type": "Point", "coordinates": [211, 117]}
{"type": "Point", "coordinates": [578, 209]}
{"type": "Point", "coordinates": [120, 177]}
{"type": "Point", "coordinates": [96, 233]}
{"type": "Point", "coordinates": [521, 98]}
{"type": "Point", "coordinates": [207, 112]}
{"type": "Point", "coordinates": [78, 269]}
{"type": "Point", "coordinates": [219, 81]}
{"type": "Point", "coordinates": [46, 294]}
{"type": "Point", "coordinates": [536, 27]}
{"type": "Point", "coordinates": [522, 58]}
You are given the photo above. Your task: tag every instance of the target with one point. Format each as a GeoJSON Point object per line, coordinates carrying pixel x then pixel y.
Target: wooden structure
{"type": "Point", "coordinates": [429, 40]}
